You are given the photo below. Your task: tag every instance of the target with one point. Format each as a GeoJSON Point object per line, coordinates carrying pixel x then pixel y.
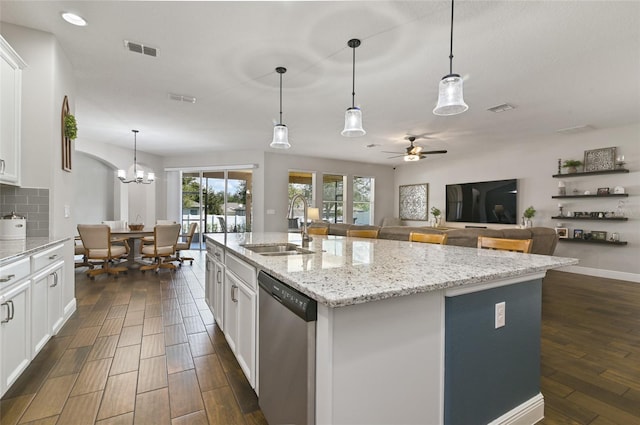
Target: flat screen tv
{"type": "Point", "coordinates": [483, 202]}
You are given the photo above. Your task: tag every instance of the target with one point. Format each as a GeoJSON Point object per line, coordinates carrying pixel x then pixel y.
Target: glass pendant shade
{"type": "Point", "coordinates": [138, 174]}
{"type": "Point", "coordinates": [450, 97]}
{"type": "Point", "coordinates": [151, 176]}
{"type": "Point", "coordinates": [280, 137]}
{"type": "Point", "coordinates": [353, 123]}
{"type": "Point", "coordinates": [122, 174]}
{"type": "Point", "coordinates": [411, 157]}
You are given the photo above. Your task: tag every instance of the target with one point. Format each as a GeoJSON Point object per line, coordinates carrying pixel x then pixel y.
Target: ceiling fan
{"type": "Point", "coordinates": [413, 152]}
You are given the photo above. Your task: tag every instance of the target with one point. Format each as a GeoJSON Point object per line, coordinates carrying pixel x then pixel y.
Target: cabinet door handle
{"type": "Point", "coordinates": [2, 166]}
{"type": "Point", "coordinates": [55, 280]}
{"type": "Point", "coordinates": [219, 277]}
{"type": "Point", "coordinates": [8, 278]}
{"type": "Point", "coordinates": [234, 290]}
{"type": "Point", "coordinates": [208, 263]}
{"type": "Point", "coordinates": [13, 310]}
{"type": "Point", "coordinates": [8, 312]}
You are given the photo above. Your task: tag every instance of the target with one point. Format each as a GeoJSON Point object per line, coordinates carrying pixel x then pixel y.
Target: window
{"type": "Point", "coordinates": [363, 200]}
{"type": "Point", "coordinates": [333, 198]}
{"type": "Point", "coordinates": [300, 183]}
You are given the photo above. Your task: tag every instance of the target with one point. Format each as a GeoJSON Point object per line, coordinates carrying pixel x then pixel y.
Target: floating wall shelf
{"type": "Point", "coordinates": [564, 217]}
{"type": "Point", "coordinates": [595, 241]}
{"type": "Point", "coordinates": [611, 195]}
{"type": "Point", "coordinates": [591, 173]}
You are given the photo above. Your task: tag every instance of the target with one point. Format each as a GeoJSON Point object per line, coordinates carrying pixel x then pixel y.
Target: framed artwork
{"type": "Point", "coordinates": [597, 235]}
{"type": "Point", "coordinates": [563, 232]}
{"type": "Point", "coordinates": [600, 159]}
{"type": "Point", "coordinates": [66, 142]}
{"type": "Point", "coordinates": [577, 233]}
{"type": "Point", "coordinates": [603, 191]}
{"type": "Point", "coordinates": [414, 202]}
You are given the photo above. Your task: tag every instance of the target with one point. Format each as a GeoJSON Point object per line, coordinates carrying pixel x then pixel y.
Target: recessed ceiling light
{"type": "Point", "coordinates": [74, 19]}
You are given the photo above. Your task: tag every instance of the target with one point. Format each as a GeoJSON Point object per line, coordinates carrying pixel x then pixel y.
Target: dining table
{"type": "Point", "coordinates": [134, 237]}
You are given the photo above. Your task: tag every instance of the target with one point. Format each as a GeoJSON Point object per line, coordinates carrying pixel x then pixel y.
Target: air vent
{"type": "Point", "coordinates": [182, 98]}
{"type": "Point", "coordinates": [501, 108]}
{"type": "Point", "coordinates": [140, 48]}
{"type": "Point", "coordinates": [576, 129]}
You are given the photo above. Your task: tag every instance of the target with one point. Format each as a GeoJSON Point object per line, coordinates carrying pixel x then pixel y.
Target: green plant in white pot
{"type": "Point", "coordinates": [528, 214]}
{"type": "Point", "coordinates": [436, 216]}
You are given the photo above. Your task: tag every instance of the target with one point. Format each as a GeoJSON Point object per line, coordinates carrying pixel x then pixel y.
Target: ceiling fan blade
{"type": "Point", "coordinates": [396, 156]}
{"type": "Point", "coordinates": [393, 152]}
{"type": "Point", "coordinates": [432, 152]}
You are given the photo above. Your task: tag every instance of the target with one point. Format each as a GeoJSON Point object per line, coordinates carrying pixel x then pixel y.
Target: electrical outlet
{"type": "Point", "coordinates": [500, 314]}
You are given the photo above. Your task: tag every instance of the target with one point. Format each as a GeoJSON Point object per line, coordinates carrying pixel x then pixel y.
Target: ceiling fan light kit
{"type": "Point", "coordinates": [138, 174]}
{"type": "Point", "coordinates": [450, 94]}
{"type": "Point", "coordinates": [280, 131]}
{"type": "Point", "coordinates": [353, 116]}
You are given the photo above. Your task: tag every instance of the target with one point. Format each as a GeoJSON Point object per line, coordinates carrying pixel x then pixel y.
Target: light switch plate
{"type": "Point", "coordinates": [67, 211]}
{"type": "Point", "coordinates": [500, 314]}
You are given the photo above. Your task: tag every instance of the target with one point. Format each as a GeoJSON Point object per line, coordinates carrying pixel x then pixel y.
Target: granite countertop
{"type": "Point", "coordinates": [10, 250]}
{"type": "Point", "coordinates": [344, 271]}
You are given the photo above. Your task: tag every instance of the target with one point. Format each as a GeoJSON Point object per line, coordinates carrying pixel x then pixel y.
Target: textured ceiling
{"type": "Point", "coordinates": [560, 63]}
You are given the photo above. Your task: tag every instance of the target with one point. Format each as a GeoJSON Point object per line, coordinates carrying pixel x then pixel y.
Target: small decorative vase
{"type": "Point", "coordinates": [572, 170]}
{"type": "Point", "coordinates": [529, 224]}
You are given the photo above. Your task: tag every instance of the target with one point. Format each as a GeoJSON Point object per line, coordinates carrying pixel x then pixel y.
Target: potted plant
{"type": "Point", "coordinates": [528, 214]}
{"type": "Point", "coordinates": [436, 216]}
{"type": "Point", "coordinates": [571, 164]}
{"type": "Point", "coordinates": [70, 127]}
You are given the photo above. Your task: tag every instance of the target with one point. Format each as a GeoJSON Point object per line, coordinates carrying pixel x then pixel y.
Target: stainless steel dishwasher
{"type": "Point", "coordinates": [287, 350]}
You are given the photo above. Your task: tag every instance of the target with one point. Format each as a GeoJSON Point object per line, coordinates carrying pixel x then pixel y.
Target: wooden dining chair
{"type": "Point", "coordinates": [435, 238]}
{"type": "Point", "coordinates": [517, 245]}
{"type": "Point", "coordinates": [79, 249]}
{"type": "Point", "coordinates": [163, 249]}
{"type": "Point", "coordinates": [363, 233]}
{"type": "Point", "coordinates": [318, 230]}
{"type": "Point", "coordinates": [185, 244]}
{"type": "Point", "coordinates": [98, 246]}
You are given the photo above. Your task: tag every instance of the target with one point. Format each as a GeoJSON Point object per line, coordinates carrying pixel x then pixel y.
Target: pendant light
{"type": "Point", "coordinates": [138, 174]}
{"type": "Point", "coordinates": [450, 98]}
{"type": "Point", "coordinates": [280, 131]}
{"type": "Point", "coordinates": [353, 116]}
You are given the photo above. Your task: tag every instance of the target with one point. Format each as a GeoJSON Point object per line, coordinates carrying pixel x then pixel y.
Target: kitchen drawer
{"type": "Point", "coordinates": [216, 251]}
{"type": "Point", "coordinates": [243, 270]}
{"type": "Point", "coordinates": [14, 271]}
{"type": "Point", "coordinates": [47, 257]}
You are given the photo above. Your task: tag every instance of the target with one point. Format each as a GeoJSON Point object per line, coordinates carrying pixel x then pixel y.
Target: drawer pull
{"type": "Point", "coordinates": [53, 257]}
{"type": "Point", "coordinates": [8, 278]}
{"type": "Point", "coordinates": [217, 254]}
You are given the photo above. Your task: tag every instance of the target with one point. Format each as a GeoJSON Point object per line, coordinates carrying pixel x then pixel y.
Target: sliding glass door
{"type": "Point", "coordinates": [219, 201]}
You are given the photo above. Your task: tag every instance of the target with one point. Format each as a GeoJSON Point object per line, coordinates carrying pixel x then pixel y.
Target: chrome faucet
{"type": "Point", "coordinates": [305, 234]}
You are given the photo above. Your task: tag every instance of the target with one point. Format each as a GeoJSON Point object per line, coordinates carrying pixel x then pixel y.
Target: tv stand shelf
{"type": "Point", "coordinates": [564, 217]}
{"type": "Point", "coordinates": [594, 241]}
{"type": "Point", "coordinates": [591, 173]}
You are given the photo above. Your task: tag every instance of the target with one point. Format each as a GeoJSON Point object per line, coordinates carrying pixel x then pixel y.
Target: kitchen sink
{"type": "Point", "coordinates": [277, 249]}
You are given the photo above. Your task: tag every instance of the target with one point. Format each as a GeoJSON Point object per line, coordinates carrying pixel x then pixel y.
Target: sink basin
{"type": "Point", "coordinates": [277, 249]}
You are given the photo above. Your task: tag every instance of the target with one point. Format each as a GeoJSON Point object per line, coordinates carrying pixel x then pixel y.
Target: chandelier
{"type": "Point", "coordinates": [138, 174]}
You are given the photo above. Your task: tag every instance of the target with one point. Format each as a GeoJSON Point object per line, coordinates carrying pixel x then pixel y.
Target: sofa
{"type": "Point", "coordinates": [544, 239]}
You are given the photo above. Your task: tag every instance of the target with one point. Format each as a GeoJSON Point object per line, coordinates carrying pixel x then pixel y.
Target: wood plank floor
{"type": "Point", "coordinates": [140, 349]}
{"type": "Point", "coordinates": [590, 350]}
{"type": "Point", "coordinates": [144, 349]}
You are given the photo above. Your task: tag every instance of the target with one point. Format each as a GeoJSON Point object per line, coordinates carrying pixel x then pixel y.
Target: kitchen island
{"type": "Point", "coordinates": [406, 332]}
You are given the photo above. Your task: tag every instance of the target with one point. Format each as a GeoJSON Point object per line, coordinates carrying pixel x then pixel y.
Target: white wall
{"type": "Point", "coordinates": [47, 78]}
{"type": "Point", "coordinates": [94, 199]}
{"type": "Point", "coordinates": [533, 162]}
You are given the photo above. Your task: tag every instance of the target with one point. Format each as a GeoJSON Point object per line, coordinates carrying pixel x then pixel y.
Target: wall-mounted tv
{"type": "Point", "coordinates": [483, 202]}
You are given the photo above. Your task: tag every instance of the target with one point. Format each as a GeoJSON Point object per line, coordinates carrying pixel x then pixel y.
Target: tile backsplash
{"type": "Point", "coordinates": [31, 203]}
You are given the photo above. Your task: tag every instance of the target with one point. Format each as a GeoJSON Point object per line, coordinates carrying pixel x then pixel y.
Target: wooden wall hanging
{"type": "Point", "coordinates": [66, 142]}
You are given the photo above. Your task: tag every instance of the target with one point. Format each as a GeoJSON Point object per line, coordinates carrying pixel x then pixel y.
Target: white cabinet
{"type": "Point", "coordinates": [240, 307]}
{"type": "Point", "coordinates": [46, 304]}
{"type": "Point", "coordinates": [15, 343]}
{"type": "Point", "coordinates": [10, 103]}
{"type": "Point", "coordinates": [214, 286]}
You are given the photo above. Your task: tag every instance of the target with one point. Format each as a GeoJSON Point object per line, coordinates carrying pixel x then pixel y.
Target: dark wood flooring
{"type": "Point", "coordinates": [144, 349]}
{"type": "Point", "coordinates": [140, 349]}
{"type": "Point", "coordinates": [590, 350]}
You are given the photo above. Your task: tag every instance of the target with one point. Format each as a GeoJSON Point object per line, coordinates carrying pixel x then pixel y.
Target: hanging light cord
{"type": "Point", "coordinates": [451, 43]}
{"type": "Point", "coordinates": [135, 150]}
{"type": "Point", "coordinates": [281, 97]}
{"type": "Point", "coordinates": [353, 79]}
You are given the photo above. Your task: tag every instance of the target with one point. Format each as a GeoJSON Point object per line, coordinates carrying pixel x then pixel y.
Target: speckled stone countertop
{"type": "Point", "coordinates": [10, 250]}
{"type": "Point", "coordinates": [344, 271]}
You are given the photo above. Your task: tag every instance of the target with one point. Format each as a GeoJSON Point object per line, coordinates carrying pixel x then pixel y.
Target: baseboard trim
{"type": "Point", "coordinates": [609, 274]}
{"type": "Point", "coordinates": [528, 413]}
{"type": "Point", "coordinates": [69, 309]}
